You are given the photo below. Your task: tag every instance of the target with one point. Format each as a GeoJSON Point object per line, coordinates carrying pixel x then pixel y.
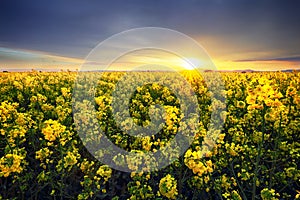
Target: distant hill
{"type": "Point", "coordinates": [290, 70]}
{"type": "Point", "coordinates": [250, 70]}
{"type": "Point", "coordinates": [242, 70]}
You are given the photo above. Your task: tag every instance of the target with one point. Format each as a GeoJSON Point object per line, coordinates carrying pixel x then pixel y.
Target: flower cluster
{"type": "Point", "coordinates": [193, 160]}
{"type": "Point", "coordinates": [52, 130]}
{"type": "Point", "coordinates": [168, 187]}
{"type": "Point", "coordinates": [254, 155]}
{"type": "Point", "coordinates": [12, 163]}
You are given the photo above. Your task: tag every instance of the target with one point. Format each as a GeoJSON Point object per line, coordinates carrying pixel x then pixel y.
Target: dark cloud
{"type": "Point", "coordinates": [292, 59]}
{"type": "Point", "coordinates": [73, 27]}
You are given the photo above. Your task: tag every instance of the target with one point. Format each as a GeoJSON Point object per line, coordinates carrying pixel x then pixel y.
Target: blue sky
{"type": "Point", "coordinates": [40, 33]}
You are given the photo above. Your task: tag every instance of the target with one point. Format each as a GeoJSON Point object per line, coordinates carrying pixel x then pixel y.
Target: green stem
{"type": "Point", "coordinates": [258, 157]}
{"type": "Point", "coordinates": [62, 172]}
{"type": "Point", "coordinates": [277, 141]}
{"type": "Point", "coordinates": [237, 181]}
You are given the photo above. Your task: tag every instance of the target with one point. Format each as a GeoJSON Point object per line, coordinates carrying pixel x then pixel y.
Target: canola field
{"type": "Point", "coordinates": [256, 154]}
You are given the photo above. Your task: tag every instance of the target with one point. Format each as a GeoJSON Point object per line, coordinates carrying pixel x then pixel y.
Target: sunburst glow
{"type": "Point", "coordinates": [191, 63]}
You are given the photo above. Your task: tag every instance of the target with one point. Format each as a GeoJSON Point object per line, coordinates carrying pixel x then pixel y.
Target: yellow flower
{"type": "Point", "coordinates": [168, 187]}
{"type": "Point", "coordinates": [146, 144]}
{"type": "Point", "coordinates": [235, 195]}
{"type": "Point", "coordinates": [65, 91]}
{"type": "Point", "coordinates": [11, 163]}
{"type": "Point", "coordinates": [269, 117]}
{"type": "Point", "coordinates": [267, 194]}
{"type": "Point", "coordinates": [251, 99]}
{"type": "Point", "coordinates": [240, 104]}
{"type": "Point", "coordinates": [105, 172]}
{"type": "Point", "coordinates": [221, 138]}
{"type": "Point", "coordinates": [291, 91]}
{"type": "Point", "coordinates": [276, 103]}
{"type": "Point", "coordinates": [70, 159]}
{"type": "Point", "coordinates": [52, 130]}
{"type": "Point", "coordinates": [268, 102]}
{"type": "Point", "coordinates": [43, 153]}
{"type": "Point", "coordinates": [209, 163]}
{"type": "Point", "coordinates": [226, 195]}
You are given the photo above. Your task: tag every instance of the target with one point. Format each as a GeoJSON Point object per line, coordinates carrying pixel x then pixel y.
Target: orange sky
{"type": "Point", "coordinates": [27, 60]}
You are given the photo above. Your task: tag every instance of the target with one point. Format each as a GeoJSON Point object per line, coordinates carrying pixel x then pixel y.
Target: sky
{"type": "Point", "coordinates": [236, 34]}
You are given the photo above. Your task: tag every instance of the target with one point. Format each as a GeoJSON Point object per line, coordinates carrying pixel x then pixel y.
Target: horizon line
{"type": "Point", "coordinates": [112, 70]}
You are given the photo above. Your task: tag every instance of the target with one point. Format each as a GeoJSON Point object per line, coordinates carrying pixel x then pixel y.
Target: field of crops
{"type": "Point", "coordinates": [256, 154]}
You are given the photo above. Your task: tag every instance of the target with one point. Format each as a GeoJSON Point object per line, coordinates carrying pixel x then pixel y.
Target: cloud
{"type": "Point", "coordinates": [231, 29]}
{"type": "Point", "coordinates": [21, 58]}
{"type": "Point", "coordinates": [291, 59]}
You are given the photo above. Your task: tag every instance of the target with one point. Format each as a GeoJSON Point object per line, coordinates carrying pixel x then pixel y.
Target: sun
{"type": "Point", "coordinates": [190, 63]}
